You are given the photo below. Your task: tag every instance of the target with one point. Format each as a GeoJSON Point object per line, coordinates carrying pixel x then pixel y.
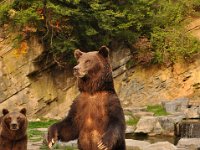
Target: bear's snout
{"type": "Point", "coordinates": [14, 126]}
{"type": "Point", "coordinates": [76, 68]}
{"type": "Point", "coordinates": [80, 72]}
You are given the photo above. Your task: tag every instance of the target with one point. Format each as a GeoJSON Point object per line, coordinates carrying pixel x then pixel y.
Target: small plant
{"type": "Point", "coordinates": [132, 121]}
{"type": "Point", "coordinates": [158, 110]}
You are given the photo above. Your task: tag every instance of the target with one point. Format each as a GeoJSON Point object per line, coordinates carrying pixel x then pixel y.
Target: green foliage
{"type": "Point", "coordinates": [132, 121]}
{"type": "Point", "coordinates": [158, 110]}
{"type": "Point", "coordinates": [171, 43]}
{"type": "Point", "coordinates": [41, 124]}
{"type": "Point", "coordinates": [65, 25]}
{"type": "Point", "coordinates": [35, 135]}
{"type": "Point", "coordinates": [4, 12]}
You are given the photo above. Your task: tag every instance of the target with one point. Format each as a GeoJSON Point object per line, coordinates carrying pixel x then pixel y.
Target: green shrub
{"type": "Point", "coordinates": [65, 25]}
{"type": "Point", "coordinates": [158, 110]}
{"type": "Point", "coordinates": [172, 43]}
{"type": "Point", "coordinates": [4, 12]}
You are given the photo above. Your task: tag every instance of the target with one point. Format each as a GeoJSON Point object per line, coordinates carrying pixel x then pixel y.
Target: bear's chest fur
{"type": "Point", "coordinates": [92, 111]}
{"type": "Point", "coordinates": [7, 144]}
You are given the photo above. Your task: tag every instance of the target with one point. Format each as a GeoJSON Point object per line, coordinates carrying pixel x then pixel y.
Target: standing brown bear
{"type": "Point", "coordinates": [13, 128]}
{"type": "Point", "coordinates": [96, 117]}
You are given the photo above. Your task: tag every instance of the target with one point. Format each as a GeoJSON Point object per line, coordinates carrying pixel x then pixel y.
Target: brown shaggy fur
{"type": "Point", "coordinates": [96, 117]}
{"type": "Point", "coordinates": [13, 128]}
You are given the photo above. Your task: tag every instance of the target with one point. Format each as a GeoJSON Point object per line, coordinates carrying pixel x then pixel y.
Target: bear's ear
{"type": "Point", "coordinates": [23, 111]}
{"type": "Point", "coordinates": [5, 111]}
{"type": "Point", "coordinates": [77, 53]}
{"type": "Point", "coordinates": [104, 51]}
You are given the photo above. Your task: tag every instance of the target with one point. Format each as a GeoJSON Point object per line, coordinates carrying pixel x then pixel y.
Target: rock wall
{"type": "Point", "coordinates": [141, 86]}
{"type": "Point", "coordinates": [47, 90]}
{"type": "Point", "coordinates": [44, 89]}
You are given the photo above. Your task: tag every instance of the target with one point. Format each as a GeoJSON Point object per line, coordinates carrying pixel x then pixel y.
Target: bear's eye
{"type": "Point", "coordinates": [18, 118]}
{"type": "Point", "coordinates": [87, 61]}
{"type": "Point", "coordinates": [8, 119]}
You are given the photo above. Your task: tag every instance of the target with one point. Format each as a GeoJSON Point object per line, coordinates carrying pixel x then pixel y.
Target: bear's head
{"type": "Point", "coordinates": [14, 121]}
{"type": "Point", "coordinates": [93, 70]}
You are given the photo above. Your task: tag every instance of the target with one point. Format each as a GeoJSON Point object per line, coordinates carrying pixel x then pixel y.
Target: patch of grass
{"type": "Point", "coordinates": [132, 121]}
{"type": "Point", "coordinates": [57, 147]}
{"type": "Point", "coordinates": [35, 135]}
{"type": "Point", "coordinates": [158, 110]}
{"type": "Point", "coordinates": [41, 124]}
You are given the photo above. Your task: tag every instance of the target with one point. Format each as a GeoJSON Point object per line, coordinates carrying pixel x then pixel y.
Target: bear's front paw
{"type": "Point", "coordinates": [107, 142]}
{"type": "Point", "coordinates": [51, 143]}
{"type": "Point", "coordinates": [101, 146]}
{"type": "Point", "coordinates": [52, 136]}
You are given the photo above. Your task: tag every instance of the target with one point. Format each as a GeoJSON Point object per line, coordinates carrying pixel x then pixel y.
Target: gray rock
{"type": "Point", "coordinates": [160, 146]}
{"type": "Point", "coordinates": [130, 129]}
{"type": "Point", "coordinates": [135, 144]}
{"type": "Point", "coordinates": [167, 123]}
{"type": "Point", "coordinates": [192, 112]}
{"type": "Point", "coordinates": [177, 105]}
{"type": "Point", "coordinates": [188, 144]}
{"type": "Point", "coordinates": [149, 125]}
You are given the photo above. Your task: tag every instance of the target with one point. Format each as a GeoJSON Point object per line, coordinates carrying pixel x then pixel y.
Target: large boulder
{"type": "Point", "coordinates": [148, 125]}
{"type": "Point", "coordinates": [177, 105]}
{"type": "Point", "coordinates": [168, 123]}
{"type": "Point", "coordinates": [188, 144]}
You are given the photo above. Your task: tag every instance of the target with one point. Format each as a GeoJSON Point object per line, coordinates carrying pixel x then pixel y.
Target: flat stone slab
{"type": "Point", "coordinates": [148, 125]}
{"type": "Point", "coordinates": [160, 146]}
{"type": "Point", "coordinates": [135, 144]}
{"type": "Point", "coordinates": [188, 144]}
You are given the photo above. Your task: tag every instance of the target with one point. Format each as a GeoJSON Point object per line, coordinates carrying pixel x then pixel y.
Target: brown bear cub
{"type": "Point", "coordinates": [13, 128]}
{"type": "Point", "coordinates": [96, 117]}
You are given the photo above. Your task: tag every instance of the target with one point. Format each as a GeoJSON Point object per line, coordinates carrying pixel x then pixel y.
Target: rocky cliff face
{"type": "Point", "coordinates": [44, 89]}
{"type": "Point", "coordinates": [144, 86]}
{"type": "Point", "coordinates": [47, 90]}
